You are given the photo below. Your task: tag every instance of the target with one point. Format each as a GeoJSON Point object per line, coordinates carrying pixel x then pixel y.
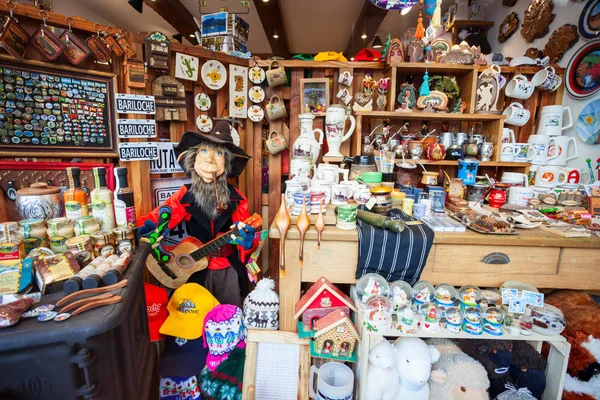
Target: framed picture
{"type": "Point", "coordinates": [315, 95]}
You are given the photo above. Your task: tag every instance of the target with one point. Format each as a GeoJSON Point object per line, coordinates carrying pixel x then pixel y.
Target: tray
{"type": "Point", "coordinates": [513, 231]}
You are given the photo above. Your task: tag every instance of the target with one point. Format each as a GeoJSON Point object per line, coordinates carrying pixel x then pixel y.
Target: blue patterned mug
{"type": "Point", "coordinates": [546, 79]}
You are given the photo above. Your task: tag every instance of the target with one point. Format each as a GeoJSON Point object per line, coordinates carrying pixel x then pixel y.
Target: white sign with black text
{"type": "Point", "coordinates": [166, 163]}
{"type": "Point", "coordinates": [134, 104]}
{"type": "Point", "coordinates": [162, 189]}
{"type": "Point", "coordinates": [138, 151]}
{"type": "Point", "coordinates": [136, 128]}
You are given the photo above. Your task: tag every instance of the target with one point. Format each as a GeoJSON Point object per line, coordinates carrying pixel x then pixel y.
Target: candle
{"type": "Point", "coordinates": [407, 204]}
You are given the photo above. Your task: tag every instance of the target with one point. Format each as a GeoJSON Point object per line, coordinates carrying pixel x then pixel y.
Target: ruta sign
{"type": "Point", "coordinates": [166, 163]}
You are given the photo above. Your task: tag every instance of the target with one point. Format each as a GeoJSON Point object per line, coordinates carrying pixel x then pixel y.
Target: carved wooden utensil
{"type": "Point", "coordinates": [320, 225]}
{"type": "Point", "coordinates": [282, 222]}
{"type": "Point", "coordinates": [302, 223]}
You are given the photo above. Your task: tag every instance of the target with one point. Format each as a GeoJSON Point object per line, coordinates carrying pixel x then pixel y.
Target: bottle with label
{"type": "Point", "coordinates": [124, 204]}
{"type": "Point", "coordinates": [102, 200]}
{"type": "Point", "coordinates": [12, 243]}
{"type": "Point", "coordinates": [75, 197]}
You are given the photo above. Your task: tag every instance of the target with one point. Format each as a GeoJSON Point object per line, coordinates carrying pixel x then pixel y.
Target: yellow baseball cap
{"type": "Point", "coordinates": [187, 308]}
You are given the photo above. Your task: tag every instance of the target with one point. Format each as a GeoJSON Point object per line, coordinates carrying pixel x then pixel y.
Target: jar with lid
{"type": "Point", "coordinates": [40, 201]}
{"type": "Point", "coordinates": [34, 233]}
{"type": "Point", "coordinates": [12, 243]}
{"type": "Point", "coordinates": [59, 230]}
{"type": "Point", "coordinates": [86, 226]}
{"type": "Point", "coordinates": [79, 244]}
{"type": "Point", "coordinates": [103, 243]}
{"type": "Point", "coordinates": [124, 240]}
{"type": "Point", "coordinates": [383, 199]}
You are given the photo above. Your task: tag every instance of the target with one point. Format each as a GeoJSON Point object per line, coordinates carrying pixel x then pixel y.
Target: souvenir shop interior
{"type": "Point", "coordinates": [283, 200]}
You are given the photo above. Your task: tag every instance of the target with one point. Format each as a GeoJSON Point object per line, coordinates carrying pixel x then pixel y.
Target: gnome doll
{"type": "Point", "coordinates": [211, 207]}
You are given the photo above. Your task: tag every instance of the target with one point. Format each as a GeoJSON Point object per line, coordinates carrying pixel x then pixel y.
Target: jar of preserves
{"type": "Point", "coordinates": [103, 243]}
{"type": "Point", "coordinates": [124, 240]}
{"type": "Point", "coordinates": [86, 226]}
{"type": "Point", "coordinates": [59, 230]}
{"type": "Point", "coordinates": [12, 243]}
{"type": "Point", "coordinates": [79, 244]}
{"type": "Point", "coordinates": [34, 233]}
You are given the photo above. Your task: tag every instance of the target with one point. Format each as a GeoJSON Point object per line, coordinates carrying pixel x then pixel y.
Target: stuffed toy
{"type": "Point", "coordinates": [382, 377]}
{"type": "Point", "coordinates": [528, 368]}
{"type": "Point", "coordinates": [413, 363]}
{"type": "Point", "coordinates": [456, 376]}
{"type": "Point", "coordinates": [582, 314]}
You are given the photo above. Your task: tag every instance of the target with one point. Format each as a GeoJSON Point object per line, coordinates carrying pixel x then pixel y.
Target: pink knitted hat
{"type": "Point", "coordinates": [224, 330]}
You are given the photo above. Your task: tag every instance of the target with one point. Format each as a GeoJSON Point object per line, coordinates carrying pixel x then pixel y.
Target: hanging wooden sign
{"type": "Point", "coordinates": [157, 51]}
{"type": "Point", "coordinates": [112, 43]}
{"type": "Point", "coordinates": [75, 50]}
{"type": "Point", "coordinates": [170, 99]}
{"type": "Point", "coordinates": [14, 38]}
{"type": "Point", "coordinates": [134, 104]}
{"type": "Point", "coordinates": [47, 43]}
{"type": "Point", "coordinates": [99, 48]}
{"type": "Point", "coordinates": [125, 46]}
{"type": "Point", "coordinates": [135, 73]}
{"type": "Point", "coordinates": [138, 151]}
{"type": "Point", "coordinates": [238, 91]}
{"type": "Point", "coordinates": [136, 128]}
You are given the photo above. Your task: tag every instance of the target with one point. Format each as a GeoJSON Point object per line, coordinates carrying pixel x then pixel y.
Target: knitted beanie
{"type": "Point", "coordinates": [261, 307]}
{"type": "Point", "coordinates": [225, 383]}
{"type": "Point", "coordinates": [224, 330]}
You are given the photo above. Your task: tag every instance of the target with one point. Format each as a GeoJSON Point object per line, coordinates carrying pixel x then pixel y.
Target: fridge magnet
{"type": "Point", "coordinates": [46, 42]}
{"type": "Point", "coordinates": [508, 27]}
{"type": "Point", "coordinates": [204, 123]}
{"type": "Point", "coordinates": [157, 50]}
{"type": "Point", "coordinates": [582, 75]}
{"type": "Point", "coordinates": [256, 113]}
{"type": "Point", "coordinates": [238, 91]}
{"type": "Point", "coordinates": [186, 67]}
{"type": "Point", "coordinates": [214, 74]}
{"type": "Point", "coordinates": [560, 41]}
{"type": "Point", "coordinates": [588, 124]}
{"type": "Point", "coordinates": [202, 102]}
{"type": "Point", "coordinates": [14, 38]}
{"type": "Point", "coordinates": [589, 20]}
{"type": "Point", "coordinates": [256, 75]}
{"type": "Point", "coordinates": [256, 94]}
{"type": "Point", "coordinates": [99, 48]}
{"type": "Point", "coordinates": [135, 74]}
{"type": "Point", "coordinates": [538, 18]}
{"type": "Point", "coordinates": [75, 50]}
{"type": "Point", "coordinates": [487, 90]}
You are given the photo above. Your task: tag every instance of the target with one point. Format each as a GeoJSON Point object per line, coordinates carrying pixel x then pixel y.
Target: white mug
{"type": "Point", "coordinates": [346, 78]}
{"type": "Point", "coordinates": [320, 185]}
{"type": "Point", "coordinates": [344, 96]}
{"type": "Point", "coordinates": [549, 177]}
{"type": "Point", "coordinates": [519, 88]}
{"type": "Point", "coordinates": [538, 146]}
{"type": "Point", "coordinates": [293, 186]}
{"type": "Point", "coordinates": [520, 195]}
{"type": "Point", "coordinates": [560, 150]}
{"type": "Point", "coordinates": [335, 381]}
{"type": "Point", "coordinates": [300, 166]}
{"type": "Point", "coordinates": [516, 114]}
{"type": "Point", "coordinates": [573, 176]}
{"type": "Point", "coordinates": [508, 135]}
{"type": "Point", "coordinates": [331, 173]}
{"type": "Point", "coordinates": [340, 194]}
{"type": "Point", "coordinates": [551, 120]}
{"type": "Point", "coordinates": [546, 79]}
{"type": "Point", "coordinates": [515, 179]}
{"type": "Point", "coordinates": [352, 187]}
{"type": "Point", "coordinates": [522, 152]}
{"type": "Point", "coordinates": [507, 152]}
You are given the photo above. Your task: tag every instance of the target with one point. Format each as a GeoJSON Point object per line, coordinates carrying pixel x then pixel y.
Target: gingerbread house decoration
{"type": "Point", "coordinates": [321, 299]}
{"type": "Point", "coordinates": [336, 335]}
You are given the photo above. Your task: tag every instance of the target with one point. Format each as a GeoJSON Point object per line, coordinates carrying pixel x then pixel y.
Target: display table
{"type": "Point", "coordinates": [543, 259]}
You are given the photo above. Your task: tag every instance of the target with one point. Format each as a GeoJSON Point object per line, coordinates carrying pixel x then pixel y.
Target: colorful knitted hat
{"type": "Point", "coordinates": [224, 330]}
{"type": "Point", "coordinates": [261, 307]}
{"type": "Point", "coordinates": [224, 383]}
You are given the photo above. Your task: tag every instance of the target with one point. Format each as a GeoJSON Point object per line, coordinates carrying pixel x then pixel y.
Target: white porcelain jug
{"type": "Point", "coordinates": [306, 145]}
{"type": "Point", "coordinates": [335, 123]}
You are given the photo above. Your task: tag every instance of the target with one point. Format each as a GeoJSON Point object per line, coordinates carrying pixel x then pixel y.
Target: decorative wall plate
{"type": "Point", "coordinates": [202, 102]}
{"type": "Point", "coordinates": [256, 94]}
{"type": "Point", "coordinates": [560, 41]}
{"type": "Point", "coordinates": [204, 123]}
{"type": "Point", "coordinates": [538, 18]}
{"type": "Point", "coordinates": [256, 113]}
{"type": "Point", "coordinates": [214, 74]}
{"type": "Point", "coordinates": [582, 78]}
{"type": "Point", "coordinates": [508, 27]}
{"type": "Point", "coordinates": [588, 124]}
{"type": "Point", "coordinates": [256, 75]}
{"type": "Point", "coordinates": [589, 20]}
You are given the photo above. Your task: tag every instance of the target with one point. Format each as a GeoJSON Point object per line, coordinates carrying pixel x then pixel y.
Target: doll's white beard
{"type": "Point", "coordinates": [205, 196]}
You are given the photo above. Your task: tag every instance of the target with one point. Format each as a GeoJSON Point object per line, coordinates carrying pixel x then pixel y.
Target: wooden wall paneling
{"type": "Point", "coordinates": [390, 72]}
{"type": "Point", "coordinates": [319, 122]}
{"type": "Point", "coordinates": [256, 164]}
{"type": "Point", "coordinates": [529, 128]}
{"type": "Point", "coordinates": [295, 110]}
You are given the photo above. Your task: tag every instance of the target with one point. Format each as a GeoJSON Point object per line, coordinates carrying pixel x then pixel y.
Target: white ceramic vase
{"type": "Point", "coordinates": [307, 145]}
{"type": "Point", "coordinates": [335, 123]}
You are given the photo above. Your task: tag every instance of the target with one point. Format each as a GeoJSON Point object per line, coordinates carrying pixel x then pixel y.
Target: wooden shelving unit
{"type": "Point", "coordinates": [419, 115]}
{"type": "Point", "coordinates": [481, 163]}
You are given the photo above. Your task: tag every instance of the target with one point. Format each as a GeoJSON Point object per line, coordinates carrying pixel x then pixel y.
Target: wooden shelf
{"type": "Point", "coordinates": [416, 115]}
{"type": "Point", "coordinates": [334, 159]}
{"type": "Point", "coordinates": [481, 163]}
{"type": "Point", "coordinates": [404, 68]}
{"type": "Point", "coordinates": [523, 70]}
{"type": "Point", "coordinates": [323, 64]}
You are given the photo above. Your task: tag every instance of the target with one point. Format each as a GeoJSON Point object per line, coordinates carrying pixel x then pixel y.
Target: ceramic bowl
{"type": "Point", "coordinates": [548, 320]}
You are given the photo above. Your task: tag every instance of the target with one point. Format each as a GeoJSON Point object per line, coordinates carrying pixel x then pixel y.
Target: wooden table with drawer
{"type": "Point", "coordinates": [543, 259]}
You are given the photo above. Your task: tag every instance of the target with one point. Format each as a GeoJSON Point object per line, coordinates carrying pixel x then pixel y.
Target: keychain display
{"type": "Point", "coordinates": [125, 46]}
{"type": "Point", "coordinates": [14, 39]}
{"type": "Point", "coordinates": [75, 50]}
{"type": "Point", "coordinates": [99, 47]}
{"type": "Point", "coordinates": [45, 41]}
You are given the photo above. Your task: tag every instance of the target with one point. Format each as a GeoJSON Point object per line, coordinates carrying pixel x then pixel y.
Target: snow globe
{"type": "Point", "coordinates": [371, 285]}
{"type": "Point", "coordinates": [423, 292]}
{"type": "Point", "coordinates": [407, 319]}
{"type": "Point", "coordinates": [430, 315]}
{"type": "Point", "coordinates": [445, 295]}
{"type": "Point", "coordinates": [493, 318]}
{"type": "Point", "coordinates": [472, 321]}
{"type": "Point", "coordinates": [469, 296]}
{"type": "Point", "coordinates": [454, 319]}
{"type": "Point", "coordinates": [378, 314]}
{"type": "Point", "coordinates": [548, 320]}
{"type": "Point", "coordinates": [401, 294]}
{"type": "Point", "coordinates": [490, 298]}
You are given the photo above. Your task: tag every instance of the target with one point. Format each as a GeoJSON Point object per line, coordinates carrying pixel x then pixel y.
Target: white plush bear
{"type": "Point", "coordinates": [382, 377]}
{"type": "Point", "coordinates": [413, 363]}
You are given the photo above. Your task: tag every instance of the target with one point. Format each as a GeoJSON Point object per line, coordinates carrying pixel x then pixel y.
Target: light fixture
{"type": "Point", "coordinates": [178, 37]}
{"type": "Point", "coordinates": [377, 44]}
{"type": "Point", "coordinates": [364, 36]}
{"type": "Point", "coordinates": [265, 1]}
{"type": "Point", "coordinates": [192, 35]}
{"type": "Point", "coordinates": [405, 10]}
{"type": "Point", "coordinates": [138, 5]}
{"type": "Point", "coordinates": [275, 36]}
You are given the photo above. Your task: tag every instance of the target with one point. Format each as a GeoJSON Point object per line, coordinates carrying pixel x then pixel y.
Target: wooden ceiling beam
{"type": "Point", "coordinates": [368, 22]}
{"type": "Point", "coordinates": [272, 22]}
{"type": "Point", "coordinates": [177, 15]}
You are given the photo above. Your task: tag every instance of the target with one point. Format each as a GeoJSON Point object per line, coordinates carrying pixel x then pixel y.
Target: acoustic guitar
{"type": "Point", "coordinates": [173, 265]}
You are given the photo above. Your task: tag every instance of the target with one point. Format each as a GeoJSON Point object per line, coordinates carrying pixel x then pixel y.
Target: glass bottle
{"type": "Point", "coordinates": [102, 200]}
{"type": "Point", "coordinates": [75, 197]}
{"type": "Point", "coordinates": [124, 203]}
{"type": "Point", "coordinates": [12, 243]}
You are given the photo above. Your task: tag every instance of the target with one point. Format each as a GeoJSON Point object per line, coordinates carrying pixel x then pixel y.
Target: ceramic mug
{"type": "Point", "coordinates": [507, 152]}
{"type": "Point", "coordinates": [560, 150]}
{"type": "Point", "coordinates": [371, 178]}
{"type": "Point", "coordinates": [344, 96]}
{"type": "Point", "coordinates": [546, 79]}
{"type": "Point", "coordinates": [319, 185]}
{"type": "Point", "coordinates": [293, 186]}
{"type": "Point", "coordinates": [551, 120]}
{"type": "Point", "coordinates": [335, 380]}
{"type": "Point", "coordinates": [300, 167]}
{"type": "Point", "coordinates": [549, 177]}
{"type": "Point", "coordinates": [331, 173]}
{"type": "Point", "coordinates": [276, 144]}
{"type": "Point", "coordinates": [346, 216]}
{"type": "Point", "coordinates": [276, 109]}
{"type": "Point", "coordinates": [520, 195]}
{"type": "Point", "coordinates": [519, 88]}
{"type": "Point", "coordinates": [352, 187]}
{"type": "Point", "coordinates": [515, 179]}
{"type": "Point", "coordinates": [522, 152]}
{"type": "Point", "coordinates": [362, 196]}
{"type": "Point", "coordinates": [516, 114]}
{"type": "Point", "coordinates": [538, 146]}
{"type": "Point", "coordinates": [276, 74]}
{"type": "Point", "coordinates": [339, 194]}
{"type": "Point", "coordinates": [345, 78]}
{"type": "Point", "coordinates": [508, 135]}
{"type": "Point", "coordinates": [573, 176]}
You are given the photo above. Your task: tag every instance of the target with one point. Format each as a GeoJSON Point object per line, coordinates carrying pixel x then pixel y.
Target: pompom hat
{"type": "Point", "coordinates": [224, 330]}
{"type": "Point", "coordinates": [261, 307]}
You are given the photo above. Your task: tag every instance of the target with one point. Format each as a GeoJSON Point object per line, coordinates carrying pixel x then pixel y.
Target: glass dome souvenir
{"type": "Point", "coordinates": [492, 321]}
{"type": "Point", "coordinates": [548, 320]}
{"type": "Point", "coordinates": [490, 298]}
{"type": "Point", "coordinates": [472, 319]}
{"type": "Point", "coordinates": [454, 319]}
{"type": "Point", "coordinates": [423, 292]}
{"type": "Point", "coordinates": [401, 294]}
{"type": "Point", "coordinates": [445, 295]}
{"type": "Point", "coordinates": [378, 314]}
{"type": "Point", "coordinates": [371, 285]}
{"type": "Point", "coordinates": [469, 296]}
{"type": "Point", "coordinates": [407, 319]}
{"type": "Point", "coordinates": [430, 315]}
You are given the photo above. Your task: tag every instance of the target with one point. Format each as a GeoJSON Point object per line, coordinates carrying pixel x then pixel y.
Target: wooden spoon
{"type": "Point", "coordinates": [302, 223]}
{"type": "Point", "coordinates": [282, 222]}
{"type": "Point", "coordinates": [320, 225]}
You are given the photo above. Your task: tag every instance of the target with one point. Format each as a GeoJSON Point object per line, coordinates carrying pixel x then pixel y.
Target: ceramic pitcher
{"type": "Point", "coordinates": [335, 122]}
{"type": "Point", "coordinates": [306, 145]}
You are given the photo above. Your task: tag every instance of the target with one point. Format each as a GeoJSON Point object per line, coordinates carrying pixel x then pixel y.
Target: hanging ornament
{"type": "Point", "coordinates": [420, 31]}
{"type": "Point", "coordinates": [436, 19]}
{"type": "Point", "coordinates": [430, 7]}
{"type": "Point", "coordinates": [424, 90]}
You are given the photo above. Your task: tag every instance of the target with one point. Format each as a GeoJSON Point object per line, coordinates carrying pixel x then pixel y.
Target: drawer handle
{"type": "Point", "coordinates": [496, 258]}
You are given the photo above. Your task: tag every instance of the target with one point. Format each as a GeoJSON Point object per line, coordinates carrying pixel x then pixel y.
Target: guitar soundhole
{"type": "Point", "coordinates": [184, 261]}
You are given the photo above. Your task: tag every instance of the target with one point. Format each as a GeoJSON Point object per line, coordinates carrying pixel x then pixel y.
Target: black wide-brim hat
{"type": "Point", "coordinates": [220, 134]}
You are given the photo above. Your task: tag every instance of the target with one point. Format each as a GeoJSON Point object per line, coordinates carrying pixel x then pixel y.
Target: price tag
{"type": "Point", "coordinates": [371, 203]}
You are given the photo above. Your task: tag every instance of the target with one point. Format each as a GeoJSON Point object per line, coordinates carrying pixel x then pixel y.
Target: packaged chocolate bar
{"type": "Point", "coordinates": [52, 271]}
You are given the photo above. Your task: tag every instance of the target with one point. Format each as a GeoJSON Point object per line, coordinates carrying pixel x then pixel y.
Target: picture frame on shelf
{"type": "Point", "coordinates": [314, 97]}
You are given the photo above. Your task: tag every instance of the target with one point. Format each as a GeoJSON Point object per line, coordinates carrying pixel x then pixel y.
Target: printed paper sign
{"type": "Point", "coordinates": [517, 305]}
{"type": "Point", "coordinates": [162, 189]}
{"type": "Point", "coordinates": [134, 104]}
{"type": "Point", "coordinates": [508, 294]}
{"type": "Point", "coordinates": [136, 128]}
{"type": "Point", "coordinates": [166, 163]}
{"type": "Point", "coordinates": [138, 151]}
{"type": "Point", "coordinates": [186, 66]}
{"type": "Point", "coordinates": [238, 91]}
{"type": "Point", "coordinates": [533, 298]}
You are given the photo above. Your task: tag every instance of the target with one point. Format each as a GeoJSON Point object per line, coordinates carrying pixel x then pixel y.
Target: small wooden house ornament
{"type": "Point", "coordinates": [336, 336]}
{"type": "Point", "coordinates": [395, 53]}
{"type": "Point", "coordinates": [321, 299]}
{"type": "Point", "coordinates": [158, 48]}
{"type": "Point", "coordinates": [170, 99]}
